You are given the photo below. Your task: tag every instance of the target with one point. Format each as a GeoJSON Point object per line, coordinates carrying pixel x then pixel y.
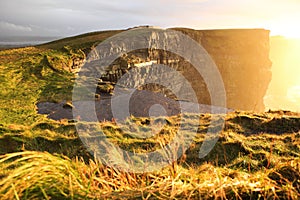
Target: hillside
{"type": "Point", "coordinates": [257, 155]}
{"type": "Point", "coordinates": [83, 42]}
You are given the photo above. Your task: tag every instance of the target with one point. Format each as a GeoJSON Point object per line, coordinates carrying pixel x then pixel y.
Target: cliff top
{"type": "Point", "coordinates": [87, 40]}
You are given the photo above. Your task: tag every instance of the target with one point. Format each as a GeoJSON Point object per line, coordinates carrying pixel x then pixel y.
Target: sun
{"type": "Point", "coordinates": [286, 27]}
{"type": "Point", "coordinates": [292, 34]}
{"type": "Point", "coordinates": [286, 31]}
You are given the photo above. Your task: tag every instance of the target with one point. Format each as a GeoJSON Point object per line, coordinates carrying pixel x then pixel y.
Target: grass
{"type": "Point", "coordinates": [257, 155]}
{"type": "Point", "coordinates": [264, 165]}
{"type": "Point", "coordinates": [29, 175]}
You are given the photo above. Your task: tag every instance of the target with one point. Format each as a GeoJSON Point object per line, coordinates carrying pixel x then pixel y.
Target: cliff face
{"type": "Point", "coordinates": [241, 56]}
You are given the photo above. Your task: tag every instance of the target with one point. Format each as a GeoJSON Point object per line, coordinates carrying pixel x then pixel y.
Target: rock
{"type": "Point", "coordinates": [104, 88]}
{"type": "Point", "coordinates": [97, 96]}
{"type": "Point", "coordinates": [68, 105]}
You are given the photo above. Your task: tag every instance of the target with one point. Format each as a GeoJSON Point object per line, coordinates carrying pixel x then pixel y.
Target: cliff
{"type": "Point", "coordinates": [241, 55]}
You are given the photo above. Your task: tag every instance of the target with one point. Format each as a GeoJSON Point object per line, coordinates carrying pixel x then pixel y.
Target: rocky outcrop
{"type": "Point", "coordinates": [241, 56]}
{"type": "Point", "coordinates": [76, 63]}
{"type": "Point", "coordinates": [68, 60]}
{"type": "Point", "coordinates": [72, 65]}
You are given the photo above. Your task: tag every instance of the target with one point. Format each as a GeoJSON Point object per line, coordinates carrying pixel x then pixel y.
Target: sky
{"type": "Point", "coordinates": [72, 17]}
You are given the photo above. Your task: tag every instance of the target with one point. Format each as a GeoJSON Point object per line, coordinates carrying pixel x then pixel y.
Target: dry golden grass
{"type": "Point", "coordinates": [40, 175]}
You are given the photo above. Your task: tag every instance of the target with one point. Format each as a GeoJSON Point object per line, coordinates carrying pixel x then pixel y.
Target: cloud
{"type": "Point", "coordinates": [7, 27]}
{"type": "Point", "coordinates": [52, 17]}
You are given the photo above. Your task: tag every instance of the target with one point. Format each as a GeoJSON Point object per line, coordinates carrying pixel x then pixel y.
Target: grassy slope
{"type": "Point", "coordinates": [257, 155]}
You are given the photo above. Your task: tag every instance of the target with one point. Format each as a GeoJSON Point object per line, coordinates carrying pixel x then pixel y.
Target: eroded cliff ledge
{"type": "Point", "coordinates": [241, 55]}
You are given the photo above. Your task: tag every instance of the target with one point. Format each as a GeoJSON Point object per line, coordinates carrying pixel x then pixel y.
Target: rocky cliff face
{"type": "Point", "coordinates": [241, 56]}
